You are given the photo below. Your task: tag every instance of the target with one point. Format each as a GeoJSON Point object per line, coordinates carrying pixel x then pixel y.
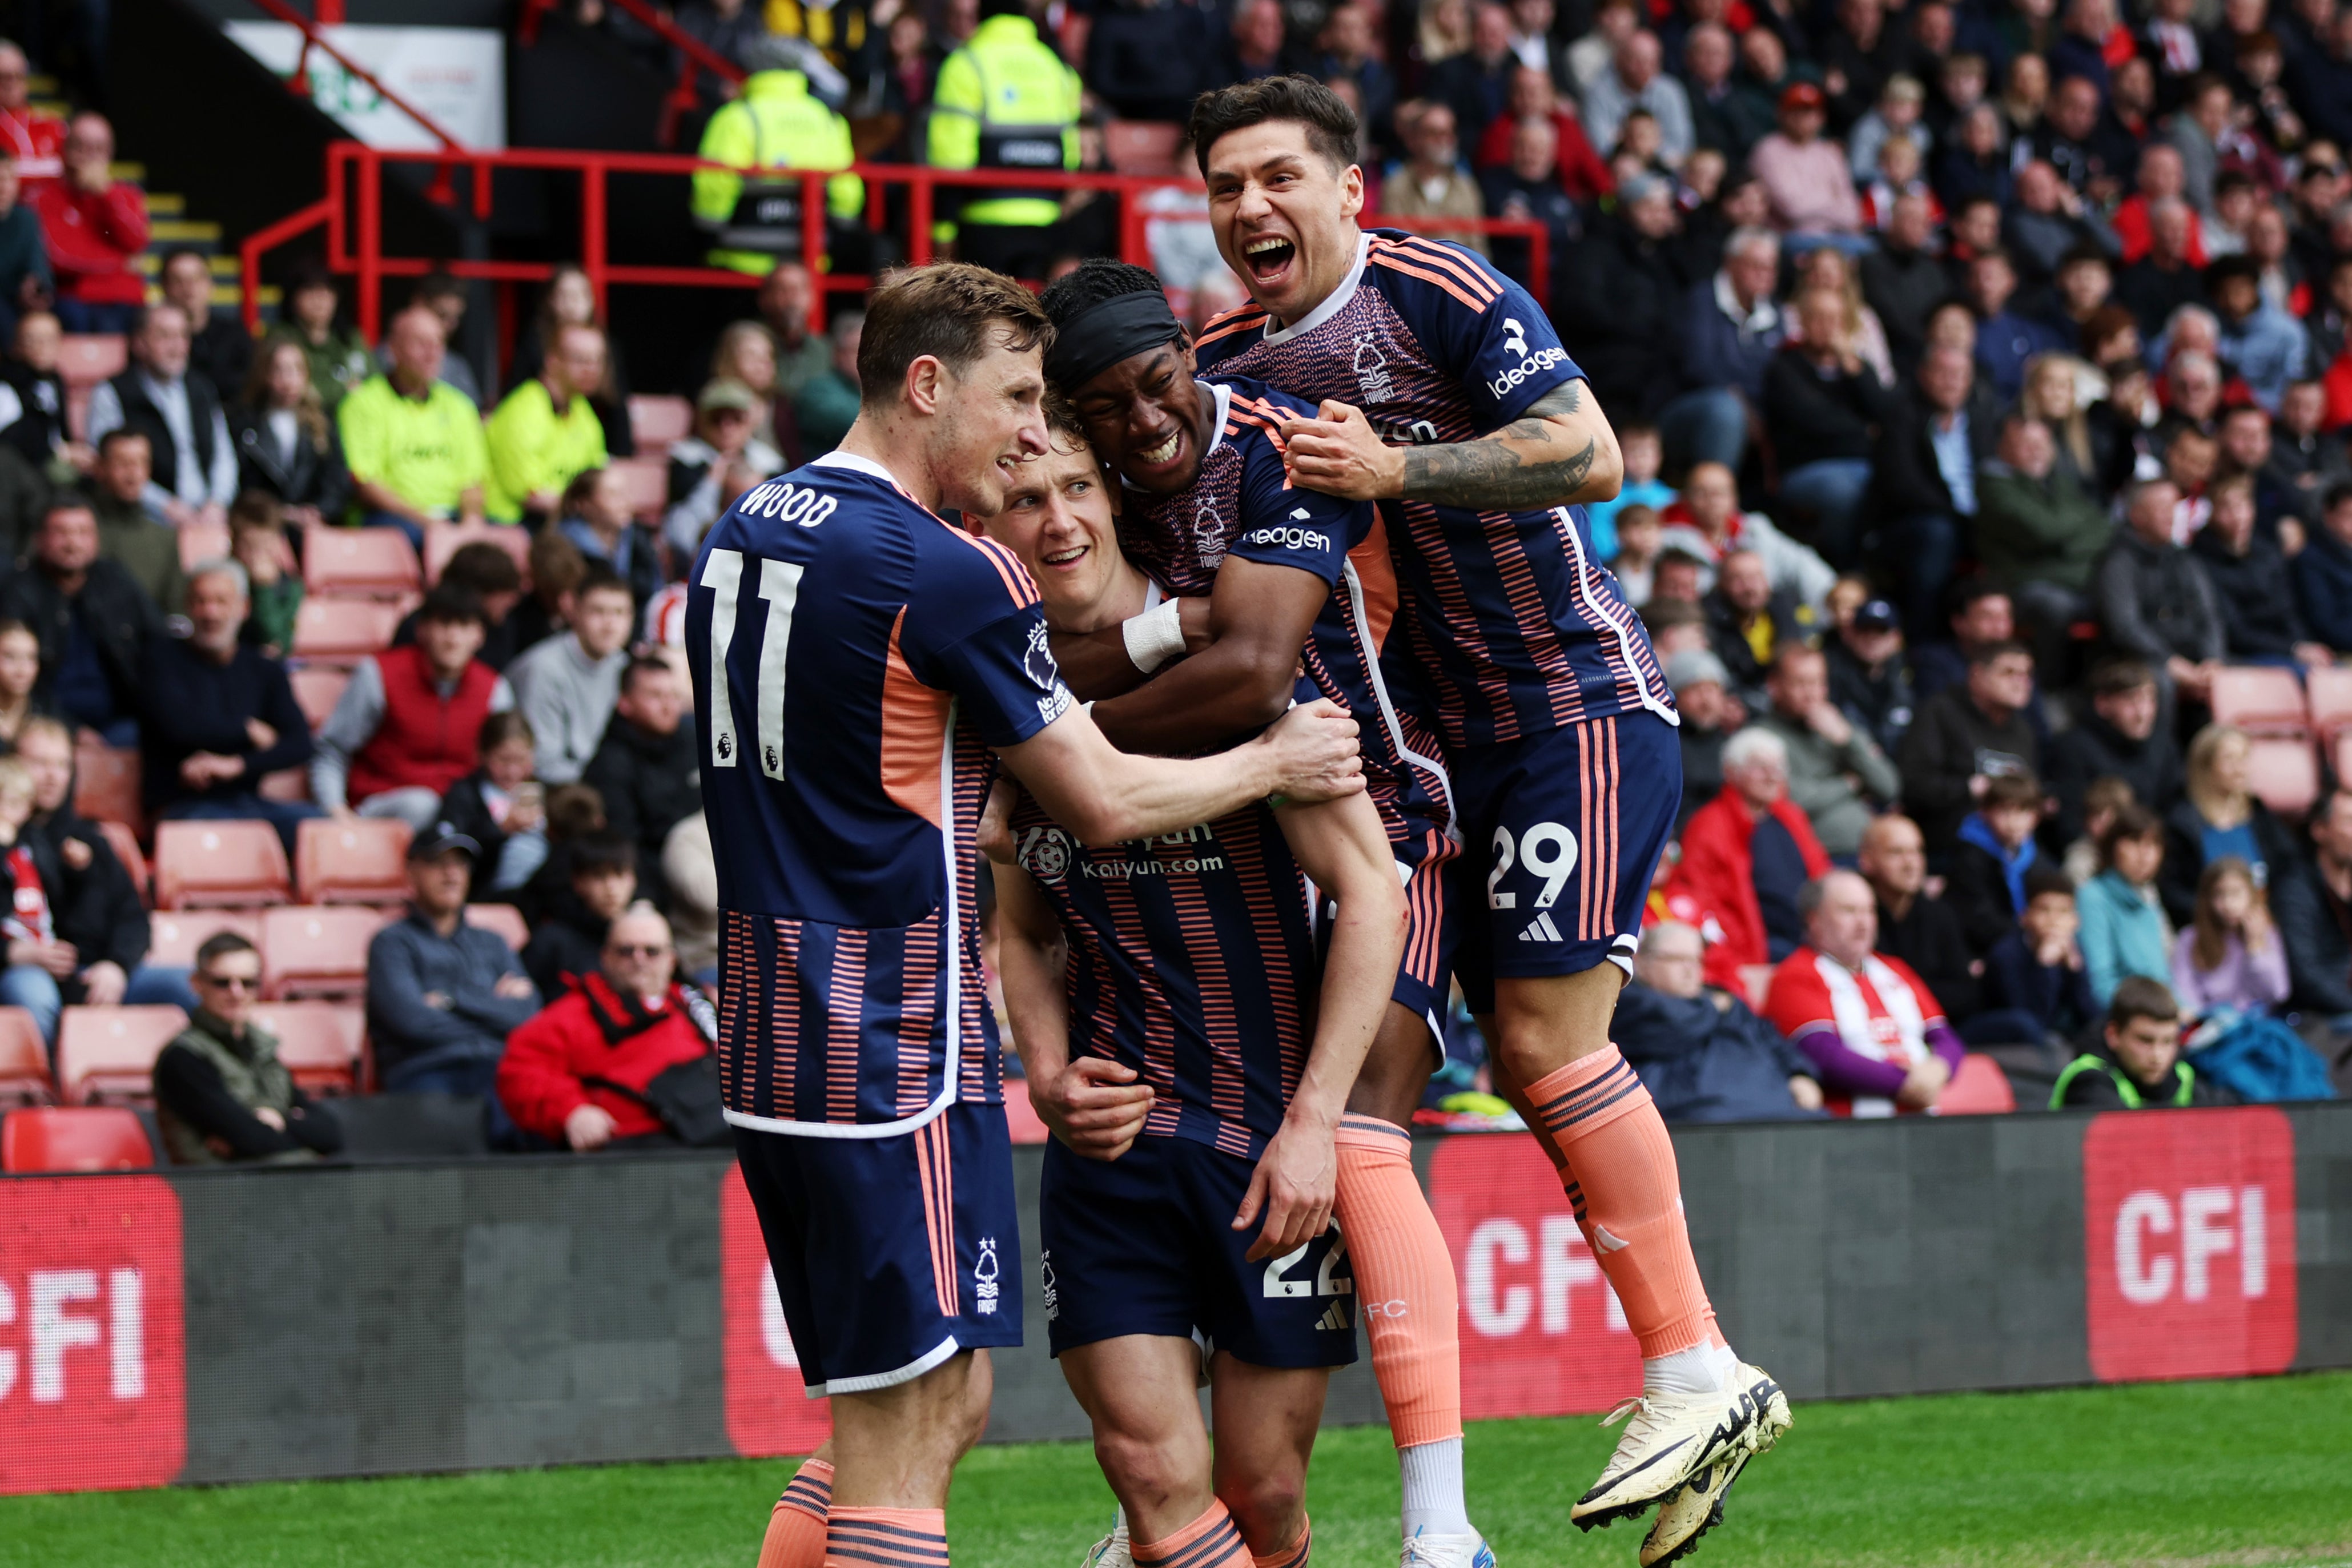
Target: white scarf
{"type": "Point", "coordinates": [1852, 1010]}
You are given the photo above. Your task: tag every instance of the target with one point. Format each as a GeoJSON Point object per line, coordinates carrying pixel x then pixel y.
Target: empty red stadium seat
{"type": "Point", "coordinates": [106, 782]}
{"type": "Point", "coordinates": [201, 542]}
{"type": "Point", "coordinates": [75, 1138]}
{"type": "Point", "coordinates": [316, 692]}
{"type": "Point", "coordinates": [109, 1053]}
{"type": "Point", "coordinates": [125, 845]}
{"type": "Point", "coordinates": [364, 562]}
{"type": "Point", "coordinates": [85, 359]}
{"type": "Point", "coordinates": [343, 631]}
{"type": "Point", "coordinates": [318, 949]}
{"type": "Point", "coordinates": [2261, 700]}
{"type": "Point", "coordinates": [504, 918]}
{"type": "Point", "coordinates": [1978, 1089]}
{"type": "Point", "coordinates": [443, 540]}
{"type": "Point", "coordinates": [647, 482]}
{"type": "Point", "coordinates": [240, 864]}
{"type": "Point", "coordinates": [2329, 691]}
{"type": "Point", "coordinates": [2284, 773]}
{"type": "Point", "coordinates": [655, 422]}
{"type": "Point", "coordinates": [318, 1041]}
{"type": "Point", "coordinates": [363, 862]}
{"type": "Point", "coordinates": [23, 1060]}
{"type": "Point", "coordinates": [173, 935]}
{"type": "Point", "coordinates": [1145, 148]}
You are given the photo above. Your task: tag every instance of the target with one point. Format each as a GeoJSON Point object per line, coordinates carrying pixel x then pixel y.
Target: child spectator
{"type": "Point", "coordinates": [20, 677]}
{"type": "Point", "coordinates": [2217, 815]}
{"type": "Point", "coordinates": [502, 807]}
{"type": "Point", "coordinates": [2124, 932]}
{"type": "Point", "coordinates": [1642, 488]}
{"type": "Point", "coordinates": [564, 944]}
{"type": "Point", "coordinates": [2139, 1063]}
{"type": "Point", "coordinates": [2036, 973]}
{"type": "Point", "coordinates": [596, 519]}
{"type": "Point", "coordinates": [2231, 957]}
{"type": "Point", "coordinates": [2106, 795]}
{"type": "Point", "coordinates": [1995, 851]}
{"type": "Point", "coordinates": [30, 373]}
{"type": "Point", "coordinates": [567, 684]}
{"type": "Point", "coordinates": [286, 445]}
{"type": "Point", "coordinates": [335, 354]}
{"type": "Point", "coordinates": [1638, 531]}
{"type": "Point", "coordinates": [257, 541]}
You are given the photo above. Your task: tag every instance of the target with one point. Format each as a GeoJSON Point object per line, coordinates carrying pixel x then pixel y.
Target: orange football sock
{"type": "Point", "coordinates": [1404, 1281]}
{"type": "Point", "coordinates": [1211, 1540]}
{"type": "Point", "coordinates": [892, 1537]}
{"type": "Point", "coordinates": [1605, 1125]}
{"type": "Point", "coordinates": [796, 1529]}
{"type": "Point", "coordinates": [1294, 1555]}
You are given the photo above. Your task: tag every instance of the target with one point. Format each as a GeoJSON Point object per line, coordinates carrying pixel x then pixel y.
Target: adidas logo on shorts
{"type": "Point", "coordinates": [1540, 929]}
{"type": "Point", "coordinates": [1335, 1319]}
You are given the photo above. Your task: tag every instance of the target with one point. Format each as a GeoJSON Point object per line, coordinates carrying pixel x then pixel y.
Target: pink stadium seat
{"type": "Point", "coordinates": [125, 845]}
{"type": "Point", "coordinates": [318, 1041]}
{"type": "Point", "coordinates": [109, 1053]}
{"type": "Point", "coordinates": [362, 563]}
{"type": "Point", "coordinates": [241, 864]}
{"type": "Point", "coordinates": [2284, 773]}
{"type": "Point", "coordinates": [443, 540]}
{"type": "Point", "coordinates": [363, 862]}
{"type": "Point", "coordinates": [77, 1138]}
{"type": "Point", "coordinates": [106, 782]}
{"type": "Point", "coordinates": [23, 1060]}
{"type": "Point", "coordinates": [647, 483]}
{"type": "Point", "coordinates": [504, 918]}
{"type": "Point", "coordinates": [201, 542]}
{"type": "Point", "coordinates": [343, 631]}
{"type": "Point", "coordinates": [176, 934]}
{"type": "Point", "coordinates": [316, 692]}
{"type": "Point", "coordinates": [1145, 148]}
{"type": "Point", "coordinates": [1978, 1089]}
{"type": "Point", "coordinates": [318, 949]}
{"type": "Point", "coordinates": [2330, 693]}
{"type": "Point", "coordinates": [2261, 700]}
{"type": "Point", "coordinates": [655, 422]}
{"type": "Point", "coordinates": [85, 359]}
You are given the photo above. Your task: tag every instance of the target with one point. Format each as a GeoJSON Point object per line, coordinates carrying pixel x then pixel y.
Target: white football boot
{"type": "Point", "coordinates": [1671, 1437]}
{"type": "Point", "coordinates": [1111, 1551]}
{"type": "Point", "coordinates": [1690, 1513]}
{"type": "Point", "coordinates": [1423, 1549]}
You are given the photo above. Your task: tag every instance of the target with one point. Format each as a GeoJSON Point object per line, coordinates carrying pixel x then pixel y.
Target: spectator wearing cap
{"type": "Point", "coordinates": [415, 443]}
{"type": "Point", "coordinates": [405, 729]}
{"type": "Point", "coordinates": [1837, 775]}
{"type": "Point", "coordinates": [1728, 331]}
{"type": "Point", "coordinates": [222, 1097]}
{"type": "Point", "coordinates": [128, 531]}
{"type": "Point", "coordinates": [93, 620]}
{"type": "Point", "coordinates": [1806, 176]}
{"type": "Point", "coordinates": [1965, 737]}
{"type": "Point", "coordinates": [441, 995]}
{"type": "Point", "coordinates": [1876, 1035]}
{"type": "Point", "coordinates": [546, 431]}
{"type": "Point", "coordinates": [2117, 739]}
{"type": "Point", "coordinates": [2137, 1064]}
{"type": "Point", "coordinates": [1823, 406]}
{"type": "Point", "coordinates": [2154, 600]}
{"type": "Point", "coordinates": [567, 938]}
{"type": "Point", "coordinates": [181, 415]}
{"type": "Point", "coordinates": [1936, 435]}
{"type": "Point", "coordinates": [1634, 80]}
{"type": "Point", "coordinates": [2039, 535]}
{"type": "Point", "coordinates": [97, 227]}
{"type": "Point", "coordinates": [491, 575]}
{"type": "Point", "coordinates": [596, 519]}
{"type": "Point", "coordinates": [217, 715]}
{"type": "Point", "coordinates": [2322, 572]}
{"type": "Point", "coordinates": [719, 462]}
{"type": "Point", "coordinates": [578, 1074]}
{"type": "Point", "coordinates": [827, 404]}
{"type": "Point", "coordinates": [1744, 853]}
{"type": "Point", "coordinates": [1916, 923]}
{"type": "Point", "coordinates": [2259, 621]}
{"type": "Point", "coordinates": [647, 768]}
{"type": "Point", "coordinates": [2267, 347]}
{"type": "Point", "coordinates": [567, 684]}
{"type": "Point", "coordinates": [1703, 1055]}
{"type": "Point", "coordinates": [1710, 714]}
{"type": "Point", "coordinates": [1870, 674]}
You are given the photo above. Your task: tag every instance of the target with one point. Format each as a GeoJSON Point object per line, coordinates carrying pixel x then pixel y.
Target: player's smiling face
{"type": "Point", "coordinates": [1150, 418]}
{"type": "Point", "coordinates": [1284, 217]}
{"type": "Point", "coordinates": [992, 420]}
{"type": "Point", "coordinates": [1058, 520]}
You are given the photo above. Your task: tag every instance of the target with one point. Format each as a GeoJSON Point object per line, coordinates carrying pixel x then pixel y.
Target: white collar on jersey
{"type": "Point", "coordinates": [1336, 303]}
{"type": "Point", "coordinates": [1225, 395]}
{"type": "Point", "coordinates": [855, 464]}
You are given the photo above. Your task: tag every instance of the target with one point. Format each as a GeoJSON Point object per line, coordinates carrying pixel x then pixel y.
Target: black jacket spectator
{"type": "Point", "coordinates": [1881, 703]}
{"type": "Point", "coordinates": [205, 417]}
{"type": "Point", "coordinates": [309, 474]}
{"type": "Point", "coordinates": [188, 703]}
{"type": "Point", "coordinates": [1730, 643]}
{"type": "Point", "coordinates": [1623, 298]}
{"type": "Point", "coordinates": [2318, 929]}
{"type": "Point", "coordinates": [222, 351]}
{"type": "Point", "coordinates": [465, 810]}
{"type": "Point", "coordinates": [2057, 995]}
{"type": "Point", "coordinates": [209, 1082]}
{"type": "Point", "coordinates": [2156, 602]}
{"type": "Point", "coordinates": [1929, 939]}
{"type": "Point", "coordinates": [1708, 1057]}
{"type": "Point", "coordinates": [1905, 478]}
{"type": "Point", "coordinates": [40, 424]}
{"type": "Point", "coordinates": [2094, 749]}
{"type": "Point", "coordinates": [2323, 589]}
{"type": "Point", "coordinates": [566, 946]}
{"type": "Point", "coordinates": [1977, 892]}
{"type": "Point", "coordinates": [116, 616]}
{"type": "Point", "coordinates": [1952, 740]}
{"type": "Point", "coordinates": [1149, 60]}
{"type": "Point", "coordinates": [647, 766]}
{"type": "Point", "coordinates": [2259, 617]}
{"type": "Point", "coordinates": [2152, 293]}
{"type": "Point", "coordinates": [1904, 286]}
{"type": "Point", "coordinates": [1814, 416]}
{"type": "Point", "coordinates": [95, 906]}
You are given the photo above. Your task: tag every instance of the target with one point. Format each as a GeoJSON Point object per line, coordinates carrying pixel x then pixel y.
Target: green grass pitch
{"type": "Point", "coordinates": [2214, 1475]}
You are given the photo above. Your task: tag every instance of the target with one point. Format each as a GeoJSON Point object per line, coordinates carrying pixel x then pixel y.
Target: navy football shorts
{"type": "Point", "coordinates": [1425, 981]}
{"type": "Point", "coordinates": [1145, 1244]}
{"type": "Point", "coordinates": [890, 1254]}
{"type": "Point", "coordinates": [1561, 835]}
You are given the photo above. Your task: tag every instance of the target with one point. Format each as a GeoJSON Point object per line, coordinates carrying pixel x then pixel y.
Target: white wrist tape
{"type": "Point", "coordinates": [1154, 637]}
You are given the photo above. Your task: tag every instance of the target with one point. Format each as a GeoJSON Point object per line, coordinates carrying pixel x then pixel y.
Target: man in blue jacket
{"type": "Point", "coordinates": [2322, 573]}
{"type": "Point", "coordinates": [1702, 1053]}
{"type": "Point", "coordinates": [1730, 329]}
{"type": "Point", "coordinates": [443, 995]}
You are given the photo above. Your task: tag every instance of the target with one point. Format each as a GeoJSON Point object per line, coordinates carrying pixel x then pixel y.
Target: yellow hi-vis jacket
{"type": "Point", "coordinates": [775, 124]}
{"type": "Point", "coordinates": [1004, 100]}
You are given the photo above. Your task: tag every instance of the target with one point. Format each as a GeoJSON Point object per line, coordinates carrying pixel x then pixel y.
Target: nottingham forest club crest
{"type": "Point", "coordinates": [1208, 536]}
{"type": "Point", "coordinates": [1373, 370]}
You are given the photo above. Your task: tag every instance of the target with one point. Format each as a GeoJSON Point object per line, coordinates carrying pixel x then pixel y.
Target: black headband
{"type": "Point", "coordinates": [1102, 335]}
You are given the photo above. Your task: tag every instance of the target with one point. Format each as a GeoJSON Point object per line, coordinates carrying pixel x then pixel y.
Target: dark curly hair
{"type": "Point", "coordinates": [1097, 278]}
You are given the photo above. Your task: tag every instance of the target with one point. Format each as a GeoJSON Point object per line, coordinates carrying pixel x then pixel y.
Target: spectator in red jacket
{"type": "Point", "coordinates": [97, 227]}
{"type": "Point", "coordinates": [36, 139]}
{"type": "Point", "coordinates": [1582, 174]}
{"type": "Point", "coordinates": [626, 1025]}
{"type": "Point", "coordinates": [1745, 855]}
{"type": "Point", "coordinates": [406, 727]}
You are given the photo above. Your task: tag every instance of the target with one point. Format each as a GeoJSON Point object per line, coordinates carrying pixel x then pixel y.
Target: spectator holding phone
{"type": "Point", "coordinates": [501, 807]}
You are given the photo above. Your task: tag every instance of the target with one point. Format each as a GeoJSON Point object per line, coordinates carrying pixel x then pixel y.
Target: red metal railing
{"type": "Point", "coordinates": [695, 56]}
{"type": "Point", "coordinates": [352, 213]}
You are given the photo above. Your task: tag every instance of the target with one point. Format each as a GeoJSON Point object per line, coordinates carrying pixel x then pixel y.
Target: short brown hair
{"type": "Point", "coordinates": [2108, 793]}
{"type": "Point", "coordinates": [951, 311]}
{"type": "Point", "coordinates": [2137, 996]}
{"type": "Point", "coordinates": [2114, 676]}
{"type": "Point", "coordinates": [2130, 822]}
{"type": "Point", "coordinates": [257, 509]}
{"type": "Point", "coordinates": [1331, 126]}
{"type": "Point", "coordinates": [2012, 792]}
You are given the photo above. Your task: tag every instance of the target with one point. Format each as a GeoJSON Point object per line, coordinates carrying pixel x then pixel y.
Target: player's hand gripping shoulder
{"type": "Point", "coordinates": [1560, 452]}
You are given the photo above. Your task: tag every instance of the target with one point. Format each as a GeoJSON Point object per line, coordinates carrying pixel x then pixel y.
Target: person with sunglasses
{"type": "Point", "coordinates": [221, 1094]}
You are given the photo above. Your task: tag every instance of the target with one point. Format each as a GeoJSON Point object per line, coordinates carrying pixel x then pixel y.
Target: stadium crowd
{"type": "Point", "coordinates": [1983, 373]}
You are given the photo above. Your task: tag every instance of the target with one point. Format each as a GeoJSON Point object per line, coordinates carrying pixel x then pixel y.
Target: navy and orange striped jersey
{"type": "Point", "coordinates": [1241, 504]}
{"type": "Point", "coordinates": [853, 657]}
{"type": "Point", "coordinates": [1521, 628]}
{"type": "Point", "coordinates": [1192, 960]}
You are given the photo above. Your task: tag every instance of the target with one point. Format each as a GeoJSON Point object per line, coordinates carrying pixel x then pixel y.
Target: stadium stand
{"type": "Point", "coordinates": [240, 864]}
{"type": "Point", "coordinates": [358, 862]}
{"type": "Point", "coordinates": [107, 1055]}
{"type": "Point", "coordinates": [73, 1137]}
{"type": "Point", "coordinates": [317, 949]}
{"type": "Point", "coordinates": [359, 562]}
{"type": "Point", "coordinates": [176, 934]}
{"type": "Point", "coordinates": [23, 1060]}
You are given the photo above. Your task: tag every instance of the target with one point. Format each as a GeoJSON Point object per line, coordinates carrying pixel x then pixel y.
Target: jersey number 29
{"type": "Point", "coordinates": [780, 585]}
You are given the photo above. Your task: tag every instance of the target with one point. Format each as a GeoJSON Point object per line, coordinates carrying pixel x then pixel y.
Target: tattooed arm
{"type": "Point", "coordinates": [1561, 451]}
